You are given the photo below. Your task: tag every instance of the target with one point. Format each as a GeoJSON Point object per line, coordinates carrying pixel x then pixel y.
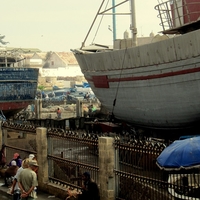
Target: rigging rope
{"type": "Point", "coordinates": [83, 43]}
{"type": "Point", "coordinates": [114, 101]}
{"type": "Point", "coordinates": [99, 24]}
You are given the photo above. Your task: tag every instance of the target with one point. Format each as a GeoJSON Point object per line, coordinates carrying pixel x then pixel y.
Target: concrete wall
{"type": "Point", "coordinates": [106, 168]}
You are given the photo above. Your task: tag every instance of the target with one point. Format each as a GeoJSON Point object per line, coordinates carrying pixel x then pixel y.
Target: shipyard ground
{"type": "Point", "coordinates": [5, 195]}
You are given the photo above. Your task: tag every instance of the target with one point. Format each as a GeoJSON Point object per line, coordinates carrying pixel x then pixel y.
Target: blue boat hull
{"type": "Point", "coordinates": [18, 88]}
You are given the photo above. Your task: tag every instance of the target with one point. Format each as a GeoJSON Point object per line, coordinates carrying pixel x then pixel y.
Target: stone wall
{"type": "Point", "coordinates": [106, 168]}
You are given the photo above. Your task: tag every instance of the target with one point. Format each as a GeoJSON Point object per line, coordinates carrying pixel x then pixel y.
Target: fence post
{"type": "Point", "coordinates": [106, 168]}
{"type": "Point", "coordinates": [4, 136]}
{"type": "Point", "coordinates": [79, 108]}
{"type": "Point", "coordinates": [41, 146]}
{"type": "Point", "coordinates": [1, 134]}
{"type": "Point", "coordinates": [38, 108]}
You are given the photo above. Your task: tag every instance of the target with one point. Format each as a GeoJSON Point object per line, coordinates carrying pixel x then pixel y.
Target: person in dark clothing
{"type": "Point", "coordinates": [90, 190]}
{"type": "Point", "coordinates": [10, 173]}
{"type": "Point", "coordinates": [2, 157]}
{"type": "Point", "coordinates": [17, 158]}
{"type": "Point", "coordinates": [87, 96]}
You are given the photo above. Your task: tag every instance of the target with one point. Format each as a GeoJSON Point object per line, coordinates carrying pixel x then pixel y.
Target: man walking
{"type": "Point", "coordinates": [28, 181]}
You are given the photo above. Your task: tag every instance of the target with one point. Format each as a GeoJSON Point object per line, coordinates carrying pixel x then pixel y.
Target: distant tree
{"type": "Point", "coordinates": [48, 55]}
{"type": "Point", "coordinates": [46, 65]}
{"type": "Point", "coordinates": [1, 40]}
{"type": "Point", "coordinates": [41, 87]}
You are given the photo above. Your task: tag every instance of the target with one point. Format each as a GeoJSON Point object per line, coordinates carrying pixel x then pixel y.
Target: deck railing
{"type": "Point", "coordinates": [176, 13]}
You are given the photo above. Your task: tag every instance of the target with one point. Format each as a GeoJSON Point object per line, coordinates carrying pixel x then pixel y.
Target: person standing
{"type": "Point", "coordinates": [87, 96]}
{"type": "Point", "coordinates": [32, 157]}
{"type": "Point", "coordinates": [28, 181]}
{"type": "Point", "coordinates": [15, 187]}
{"type": "Point", "coordinates": [32, 110]}
{"type": "Point", "coordinates": [58, 113]}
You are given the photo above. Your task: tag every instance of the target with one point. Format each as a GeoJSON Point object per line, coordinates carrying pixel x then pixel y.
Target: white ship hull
{"type": "Point", "coordinates": [155, 85]}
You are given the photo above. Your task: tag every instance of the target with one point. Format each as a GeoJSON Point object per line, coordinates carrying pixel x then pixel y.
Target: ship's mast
{"type": "Point", "coordinates": [114, 20]}
{"type": "Point", "coordinates": [133, 22]}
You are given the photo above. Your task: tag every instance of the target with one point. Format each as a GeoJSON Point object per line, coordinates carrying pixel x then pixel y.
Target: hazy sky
{"type": "Point", "coordinates": [62, 25]}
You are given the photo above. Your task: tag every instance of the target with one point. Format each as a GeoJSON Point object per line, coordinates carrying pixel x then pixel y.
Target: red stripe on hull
{"type": "Point", "coordinates": [5, 106]}
{"type": "Point", "coordinates": [100, 81]}
{"type": "Point", "coordinates": [103, 81]}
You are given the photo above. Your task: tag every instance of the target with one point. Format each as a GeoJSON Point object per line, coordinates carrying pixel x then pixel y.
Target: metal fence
{"type": "Point", "coordinates": [64, 101]}
{"type": "Point", "coordinates": [20, 139]}
{"type": "Point", "coordinates": [70, 155]}
{"type": "Point", "coordinates": [72, 152]}
{"type": "Point", "coordinates": [138, 176]}
{"type": "Point", "coordinates": [54, 102]}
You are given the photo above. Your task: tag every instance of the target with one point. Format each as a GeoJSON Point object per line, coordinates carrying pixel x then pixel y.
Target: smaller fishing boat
{"type": "Point", "coordinates": [18, 85]}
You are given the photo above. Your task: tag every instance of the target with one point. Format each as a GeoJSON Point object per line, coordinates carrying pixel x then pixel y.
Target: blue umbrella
{"type": "Point", "coordinates": [181, 154]}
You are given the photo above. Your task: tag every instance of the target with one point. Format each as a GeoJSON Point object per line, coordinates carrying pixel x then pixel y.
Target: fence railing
{"type": "Point", "coordinates": [123, 168]}
{"type": "Point", "coordinates": [71, 154]}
